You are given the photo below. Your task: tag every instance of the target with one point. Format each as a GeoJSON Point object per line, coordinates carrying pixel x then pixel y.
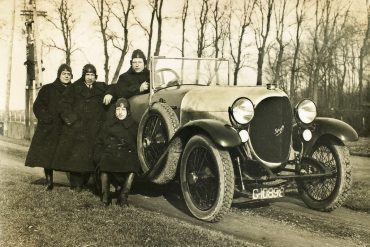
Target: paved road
{"type": "Point", "coordinates": [286, 222]}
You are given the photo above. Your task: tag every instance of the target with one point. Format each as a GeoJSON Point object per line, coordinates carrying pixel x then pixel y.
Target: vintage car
{"type": "Point", "coordinates": [224, 141]}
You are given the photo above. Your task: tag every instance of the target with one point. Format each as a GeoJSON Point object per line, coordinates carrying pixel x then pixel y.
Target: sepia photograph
{"type": "Point", "coordinates": [184, 123]}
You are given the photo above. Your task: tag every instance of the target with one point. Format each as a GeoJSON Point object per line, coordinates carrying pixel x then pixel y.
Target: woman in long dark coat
{"type": "Point", "coordinates": [83, 113]}
{"type": "Point", "coordinates": [49, 124]}
{"type": "Point", "coordinates": [116, 153]}
{"type": "Point", "coordinates": [133, 82]}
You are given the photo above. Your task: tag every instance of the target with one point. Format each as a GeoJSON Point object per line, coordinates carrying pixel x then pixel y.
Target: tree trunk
{"type": "Point", "coordinates": [120, 61]}
{"type": "Point", "coordinates": [261, 54]}
{"type": "Point", "coordinates": [363, 54]}
{"type": "Point", "coordinates": [261, 50]}
{"type": "Point", "coordinates": [124, 50]}
{"type": "Point", "coordinates": [159, 31]}
{"type": "Point", "coordinates": [150, 34]}
{"type": "Point", "coordinates": [299, 19]}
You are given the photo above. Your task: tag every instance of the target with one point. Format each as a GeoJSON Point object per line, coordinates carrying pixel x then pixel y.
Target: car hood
{"type": "Point", "coordinates": [214, 101]}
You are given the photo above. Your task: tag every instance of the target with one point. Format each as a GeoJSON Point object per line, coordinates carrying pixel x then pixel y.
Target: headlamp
{"type": "Point", "coordinates": [242, 111]}
{"type": "Point", "coordinates": [306, 111]}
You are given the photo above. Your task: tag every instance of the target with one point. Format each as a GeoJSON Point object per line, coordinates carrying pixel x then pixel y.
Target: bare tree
{"type": "Point", "coordinates": [123, 20]}
{"type": "Point", "coordinates": [245, 21]}
{"type": "Point", "coordinates": [103, 11]}
{"type": "Point", "coordinates": [294, 69]}
{"type": "Point", "coordinates": [326, 37]}
{"type": "Point", "coordinates": [342, 64]}
{"type": "Point", "coordinates": [261, 34]}
{"type": "Point", "coordinates": [201, 33]}
{"type": "Point", "coordinates": [65, 24]}
{"type": "Point", "coordinates": [314, 73]}
{"type": "Point", "coordinates": [158, 14]}
{"type": "Point", "coordinates": [219, 23]}
{"type": "Point", "coordinates": [203, 22]}
{"type": "Point", "coordinates": [363, 54]}
{"type": "Point", "coordinates": [280, 15]}
{"type": "Point", "coordinates": [184, 16]}
{"type": "Point", "coordinates": [149, 31]}
{"type": "Point", "coordinates": [352, 85]}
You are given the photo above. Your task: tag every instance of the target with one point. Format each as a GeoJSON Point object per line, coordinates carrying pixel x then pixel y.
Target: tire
{"type": "Point", "coordinates": [207, 188]}
{"type": "Point", "coordinates": [327, 194]}
{"type": "Point", "coordinates": [157, 126]}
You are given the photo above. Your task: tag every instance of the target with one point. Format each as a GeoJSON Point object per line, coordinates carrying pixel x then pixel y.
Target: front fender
{"type": "Point", "coordinates": [332, 128]}
{"type": "Point", "coordinates": [222, 134]}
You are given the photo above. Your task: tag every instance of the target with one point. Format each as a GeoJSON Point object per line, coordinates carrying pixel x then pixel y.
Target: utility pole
{"type": "Point", "coordinates": [9, 76]}
{"type": "Point", "coordinates": [33, 62]}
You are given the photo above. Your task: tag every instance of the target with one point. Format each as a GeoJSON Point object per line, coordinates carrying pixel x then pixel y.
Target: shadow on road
{"type": "Point", "coordinates": [247, 204]}
{"type": "Point", "coordinates": [171, 192]}
{"type": "Point", "coordinates": [42, 181]}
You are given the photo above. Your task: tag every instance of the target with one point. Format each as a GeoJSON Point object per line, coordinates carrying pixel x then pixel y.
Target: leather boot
{"type": "Point", "coordinates": [49, 179]}
{"type": "Point", "coordinates": [105, 188]}
{"type": "Point", "coordinates": [126, 187]}
{"type": "Point", "coordinates": [76, 181]}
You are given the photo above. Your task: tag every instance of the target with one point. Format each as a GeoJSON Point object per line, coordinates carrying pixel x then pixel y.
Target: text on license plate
{"type": "Point", "coordinates": [267, 193]}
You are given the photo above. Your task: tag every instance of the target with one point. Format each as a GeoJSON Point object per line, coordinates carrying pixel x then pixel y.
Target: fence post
{"type": "Point", "coordinates": [364, 129]}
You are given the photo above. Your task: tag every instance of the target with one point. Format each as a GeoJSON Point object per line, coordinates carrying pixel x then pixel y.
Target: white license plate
{"type": "Point", "coordinates": [267, 193]}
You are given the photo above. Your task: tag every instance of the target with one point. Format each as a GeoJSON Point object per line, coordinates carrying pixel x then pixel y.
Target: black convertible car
{"type": "Point", "coordinates": [223, 141]}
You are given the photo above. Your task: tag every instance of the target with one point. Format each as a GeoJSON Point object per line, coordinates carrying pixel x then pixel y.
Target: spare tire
{"type": "Point", "coordinates": [156, 128]}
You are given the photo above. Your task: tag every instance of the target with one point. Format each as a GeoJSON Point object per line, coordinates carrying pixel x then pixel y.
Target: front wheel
{"type": "Point", "coordinates": [157, 126]}
{"type": "Point", "coordinates": [207, 179]}
{"type": "Point", "coordinates": [327, 194]}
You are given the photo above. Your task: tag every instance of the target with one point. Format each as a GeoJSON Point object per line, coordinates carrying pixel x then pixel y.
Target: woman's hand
{"type": "Point", "coordinates": [107, 99]}
{"type": "Point", "coordinates": [144, 86]}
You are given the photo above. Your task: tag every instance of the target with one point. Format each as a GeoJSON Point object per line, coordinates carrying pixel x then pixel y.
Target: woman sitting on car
{"type": "Point", "coordinates": [135, 81]}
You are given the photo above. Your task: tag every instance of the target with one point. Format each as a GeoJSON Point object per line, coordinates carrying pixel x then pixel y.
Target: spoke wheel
{"type": "Point", "coordinates": [207, 179]}
{"type": "Point", "coordinates": [155, 139]}
{"type": "Point", "coordinates": [157, 126]}
{"type": "Point", "coordinates": [327, 194]}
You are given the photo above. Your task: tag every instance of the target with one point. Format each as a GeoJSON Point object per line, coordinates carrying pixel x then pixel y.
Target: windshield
{"type": "Point", "coordinates": [168, 72]}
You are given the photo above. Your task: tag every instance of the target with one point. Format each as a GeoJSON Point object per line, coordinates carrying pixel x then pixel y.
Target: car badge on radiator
{"type": "Point", "coordinates": [279, 131]}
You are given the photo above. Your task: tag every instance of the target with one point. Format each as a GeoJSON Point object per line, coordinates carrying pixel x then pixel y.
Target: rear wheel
{"type": "Point", "coordinates": [327, 194]}
{"type": "Point", "coordinates": [207, 179]}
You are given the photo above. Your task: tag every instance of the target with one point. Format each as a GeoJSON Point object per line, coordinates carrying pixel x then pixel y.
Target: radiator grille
{"type": "Point", "coordinates": [271, 128]}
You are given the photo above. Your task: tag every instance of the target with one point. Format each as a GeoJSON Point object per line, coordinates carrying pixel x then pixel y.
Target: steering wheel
{"type": "Point", "coordinates": [163, 83]}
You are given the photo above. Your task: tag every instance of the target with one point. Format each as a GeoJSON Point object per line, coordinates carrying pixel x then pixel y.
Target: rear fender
{"type": "Point", "coordinates": [220, 133]}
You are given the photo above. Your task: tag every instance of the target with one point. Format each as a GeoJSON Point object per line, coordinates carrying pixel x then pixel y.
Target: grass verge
{"type": "Point", "coordinates": [31, 216]}
{"type": "Point", "coordinates": [359, 198]}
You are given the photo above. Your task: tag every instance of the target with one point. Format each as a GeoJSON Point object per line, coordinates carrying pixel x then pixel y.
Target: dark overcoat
{"type": "Point", "coordinates": [49, 125]}
{"type": "Point", "coordinates": [129, 83]}
{"type": "Point", "coordinates": [83, 113]}
{"type": "Point", "coordinates": [115, 149]}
